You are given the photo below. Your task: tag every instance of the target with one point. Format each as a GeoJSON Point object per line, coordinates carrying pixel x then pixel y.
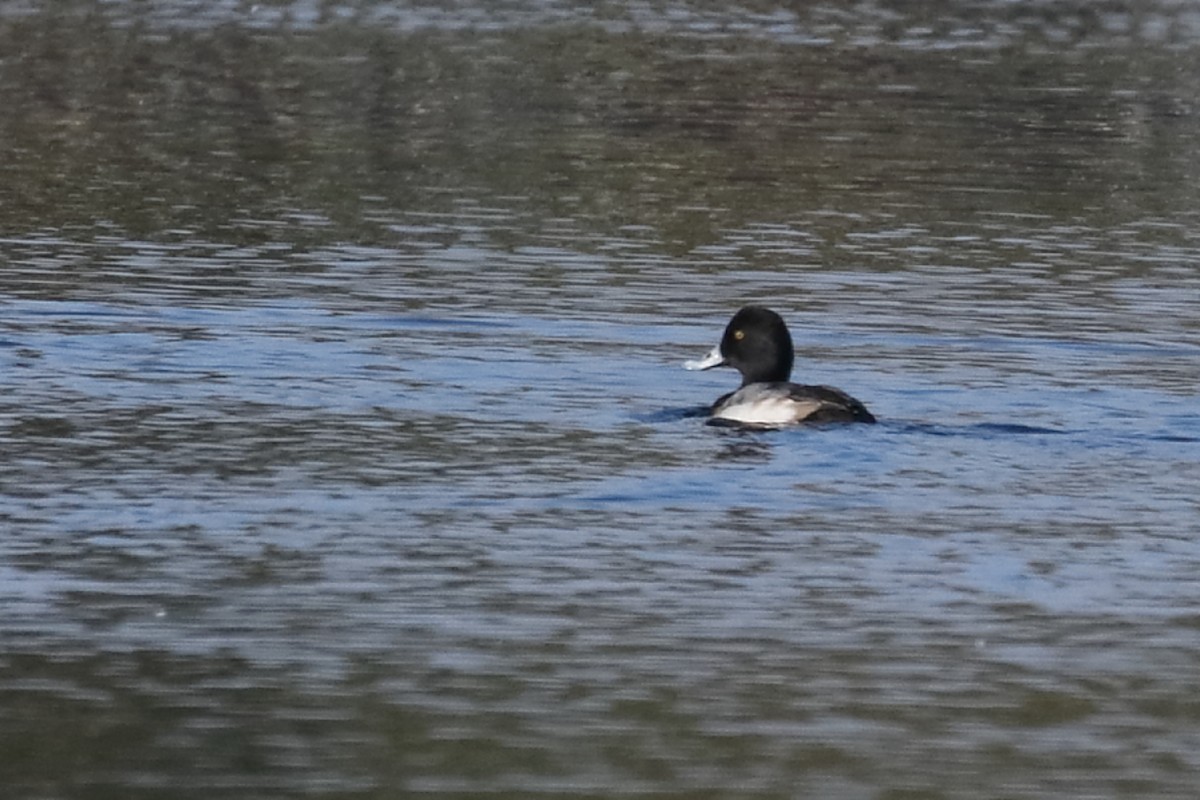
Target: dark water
{"type": "Point", "coordinates": [347, 450]}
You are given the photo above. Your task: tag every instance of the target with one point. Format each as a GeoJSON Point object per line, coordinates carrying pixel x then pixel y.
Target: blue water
{"type": "Point", "coordinates": [290, 413]}
{"type": "Point", "coordinates": [519, 527]}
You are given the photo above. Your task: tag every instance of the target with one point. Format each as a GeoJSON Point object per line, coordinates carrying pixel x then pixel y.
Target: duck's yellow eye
{"type": "Point", "coordinates": [739, 335]}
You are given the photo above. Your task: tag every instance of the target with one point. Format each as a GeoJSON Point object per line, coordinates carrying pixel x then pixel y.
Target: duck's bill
{"type": "Point", "coordinates": [713, 359]}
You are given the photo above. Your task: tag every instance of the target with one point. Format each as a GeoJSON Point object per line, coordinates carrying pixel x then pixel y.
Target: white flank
{"type": "Point", "coordinates": [769, 411]}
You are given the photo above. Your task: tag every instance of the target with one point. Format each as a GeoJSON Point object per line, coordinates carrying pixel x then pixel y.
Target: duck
{"type": "Point", "coordinates": [757, 344]}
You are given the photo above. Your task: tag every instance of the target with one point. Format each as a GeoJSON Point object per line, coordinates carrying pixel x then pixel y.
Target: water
{"type": "Point", "coordinates": [348, 451]}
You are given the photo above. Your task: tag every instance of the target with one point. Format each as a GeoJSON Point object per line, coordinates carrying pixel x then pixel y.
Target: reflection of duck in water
{"type": "Point", "coordinates": [757, 344]}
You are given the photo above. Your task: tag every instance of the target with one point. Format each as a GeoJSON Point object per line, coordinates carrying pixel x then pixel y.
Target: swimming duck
{"type": "Point", "coordinates": [757, 344]}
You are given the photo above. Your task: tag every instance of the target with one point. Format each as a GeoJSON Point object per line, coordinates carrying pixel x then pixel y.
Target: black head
{"type": "Point", "coordinates": [757, 344]}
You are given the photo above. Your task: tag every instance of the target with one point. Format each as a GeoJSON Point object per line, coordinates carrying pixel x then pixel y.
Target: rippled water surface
{"type": "Point", "coordinates": [347, 450]}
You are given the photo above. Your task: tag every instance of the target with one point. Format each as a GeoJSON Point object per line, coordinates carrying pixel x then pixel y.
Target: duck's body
{"type": "Point", "coordinates": [758, 345]}
{"type": "Point", "coordinates": [774, 404]}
